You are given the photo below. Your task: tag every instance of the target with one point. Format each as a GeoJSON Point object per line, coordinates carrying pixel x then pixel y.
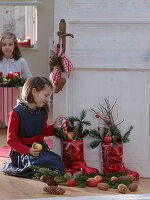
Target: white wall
{"type": "Point", "coordinates": [110, 52]}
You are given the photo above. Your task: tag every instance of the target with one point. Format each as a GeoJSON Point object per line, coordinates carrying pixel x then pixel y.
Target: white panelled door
{"type": "Point", "coordinates": [111, 56]}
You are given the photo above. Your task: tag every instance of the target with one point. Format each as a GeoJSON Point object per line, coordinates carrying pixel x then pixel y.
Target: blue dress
{"type": "Point", "coordinates": [31, 123]}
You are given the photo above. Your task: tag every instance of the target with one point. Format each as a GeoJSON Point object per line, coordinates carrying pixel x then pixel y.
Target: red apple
{"type": "Point", "coordinates": [99, 179]}
{"type": "Point", "coordinates": [71, 182]}
{"type": "Point", "coordinates": [91, 182]}
{"type": "Point", "coordinates": [114, 178]}
{"type": "Point", "coordinates": [107, 139]}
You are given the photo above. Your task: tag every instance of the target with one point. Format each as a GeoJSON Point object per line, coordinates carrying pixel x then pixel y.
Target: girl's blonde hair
{"type": "Point", "coordinates": [34, 82]}
{"type": "Point", "coordinates": [16, 51]}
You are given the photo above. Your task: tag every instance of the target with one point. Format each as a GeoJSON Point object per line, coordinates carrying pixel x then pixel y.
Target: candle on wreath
{"type": "Point", "coordinates": [1, 74]}
{"type": "Point", "coordinates": [25, 43]}
{"type": "Point", "coordinates": [18, 39]}
{"type": "Point", "coordinates": [17, 74]}
{"type": "Point", "coordinates": [10, 75]}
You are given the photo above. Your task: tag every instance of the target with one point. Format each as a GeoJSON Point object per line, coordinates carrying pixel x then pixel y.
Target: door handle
{"type": "Point", "coordinates": [62, 33]}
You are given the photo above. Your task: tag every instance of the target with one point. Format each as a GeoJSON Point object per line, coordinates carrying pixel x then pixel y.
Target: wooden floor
{"type": "Point", "coordinates": [21, 188]}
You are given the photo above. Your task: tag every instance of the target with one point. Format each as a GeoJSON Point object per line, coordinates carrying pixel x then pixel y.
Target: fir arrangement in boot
{"type": "Point", "coordinates": [72, 133]}
{"type": "Point", "coordinates": [108, 134]}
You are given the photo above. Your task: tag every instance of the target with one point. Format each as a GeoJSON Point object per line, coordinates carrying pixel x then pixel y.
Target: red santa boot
{"type": "Point", "coordinates": [112, 160]}
{"type": "Point", "coordinates": [73, 157]}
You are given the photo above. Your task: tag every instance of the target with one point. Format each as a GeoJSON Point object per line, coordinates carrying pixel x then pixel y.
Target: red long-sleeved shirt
{"type": "Point", "coordinates": [17, 143]}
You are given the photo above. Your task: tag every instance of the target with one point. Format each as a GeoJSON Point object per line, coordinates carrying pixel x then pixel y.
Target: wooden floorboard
{"type": "Point", "coordinates": [21, 188]}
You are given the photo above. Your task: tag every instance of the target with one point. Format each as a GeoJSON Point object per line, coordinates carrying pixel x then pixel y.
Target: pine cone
{"type": "Point", "coordinates": [53, 59]}
{"type": "Point", "coordinates": [45, 179]}
{"type": "Point", "coordinates": [133, 187]}
{"type": "Point", "coordinates": [126, 178]}
{"type": "Point", "coordinates": [51, 182]}
{"type": "Point", "coordinates": [54, 190]}
{"type": "Point", "coordinates": [122, 188]}
{"type": "Point", "coordinates": [103, 186]}
{"type": "Point", "coordinates": [60, 85]}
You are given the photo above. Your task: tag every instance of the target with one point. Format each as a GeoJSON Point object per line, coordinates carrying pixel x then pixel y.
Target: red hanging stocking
{"type": "Point", "coordinates": [112, 160]}
{"type": "Point", "coordinates": [73, 157]}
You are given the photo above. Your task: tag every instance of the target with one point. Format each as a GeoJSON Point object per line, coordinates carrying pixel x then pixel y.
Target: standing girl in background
{"type": "Point", "coordinates": [10, 56]}
{"type": "Point", "coordinates": [27, 126]}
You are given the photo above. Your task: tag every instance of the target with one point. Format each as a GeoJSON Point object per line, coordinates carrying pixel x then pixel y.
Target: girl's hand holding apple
{"type": "Point", "coordinates": [37, 146]}
{"type": "Point", "coordinates": [35, 149]}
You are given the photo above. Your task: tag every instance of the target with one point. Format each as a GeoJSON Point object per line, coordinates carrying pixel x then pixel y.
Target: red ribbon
{"type": "Point", "coordinates": [111, 153]}
{"type": "Point", "coordinates": [55, 76]}
{"type": "Point", "coordinates": [68, 66]}
{"type": "Point", "coordinates": [72, 150]}
{"type": "Point", "coordinates": [74, 144]}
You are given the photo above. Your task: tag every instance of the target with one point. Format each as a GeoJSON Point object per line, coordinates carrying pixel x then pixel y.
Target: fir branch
{"type": "Point", "coordinates": [38, 175]}
{"type": "Point", "coordinates": [34, 167]}
{"type": "Point", "coordinates": [115, 140]}
{"type": "Point", "coordinates": [14, 82]}
{"type": "Point", "coordinates": [72, 120]}
{"type": "Point", "coordinates": [125, 138]}
{"type": "Point", "coordinates": [87, 123]}
{"type": "Point", "coordinates": [81, 184]}
{"type": "Point", "coordinates": [70, 129]}
{"type": "Point", "coordinates": [114, 184]}
{"type": "Point", "coordinates": [59, 133]}
{"type": "Point", "coordinates": [59, 179]}
{"type": "Point", "coordinates": [72, 124]}
{"type": "Point", "coordinates": [46, 171]}
{"type": "Point", "coordinates": [78, 128]}
{"type": "Point", "coordinates": [104, 132]}
{"type": "Point", "coordinates": [83, 115]}
{"type": "Point", "coordinates": [81, 177]}
{"type": "Point", "coordinates": [117, 174]}
{"type": "Point", "coordinates": [76, 125]}
{"type": "Point", "coordinates": [94, 133]}
{"type": "Point", "coordinates": [81, 123]}
{"type": "Point", "coordinates": [115, 130]}
{"type": "Point", "coordinates": [95, 143]}
{"type": "Point", "coordinates": [85, 133]}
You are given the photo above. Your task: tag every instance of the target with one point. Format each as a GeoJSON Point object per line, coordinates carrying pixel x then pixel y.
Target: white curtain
{"type": "Point", "coordinates": [21, 2]}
